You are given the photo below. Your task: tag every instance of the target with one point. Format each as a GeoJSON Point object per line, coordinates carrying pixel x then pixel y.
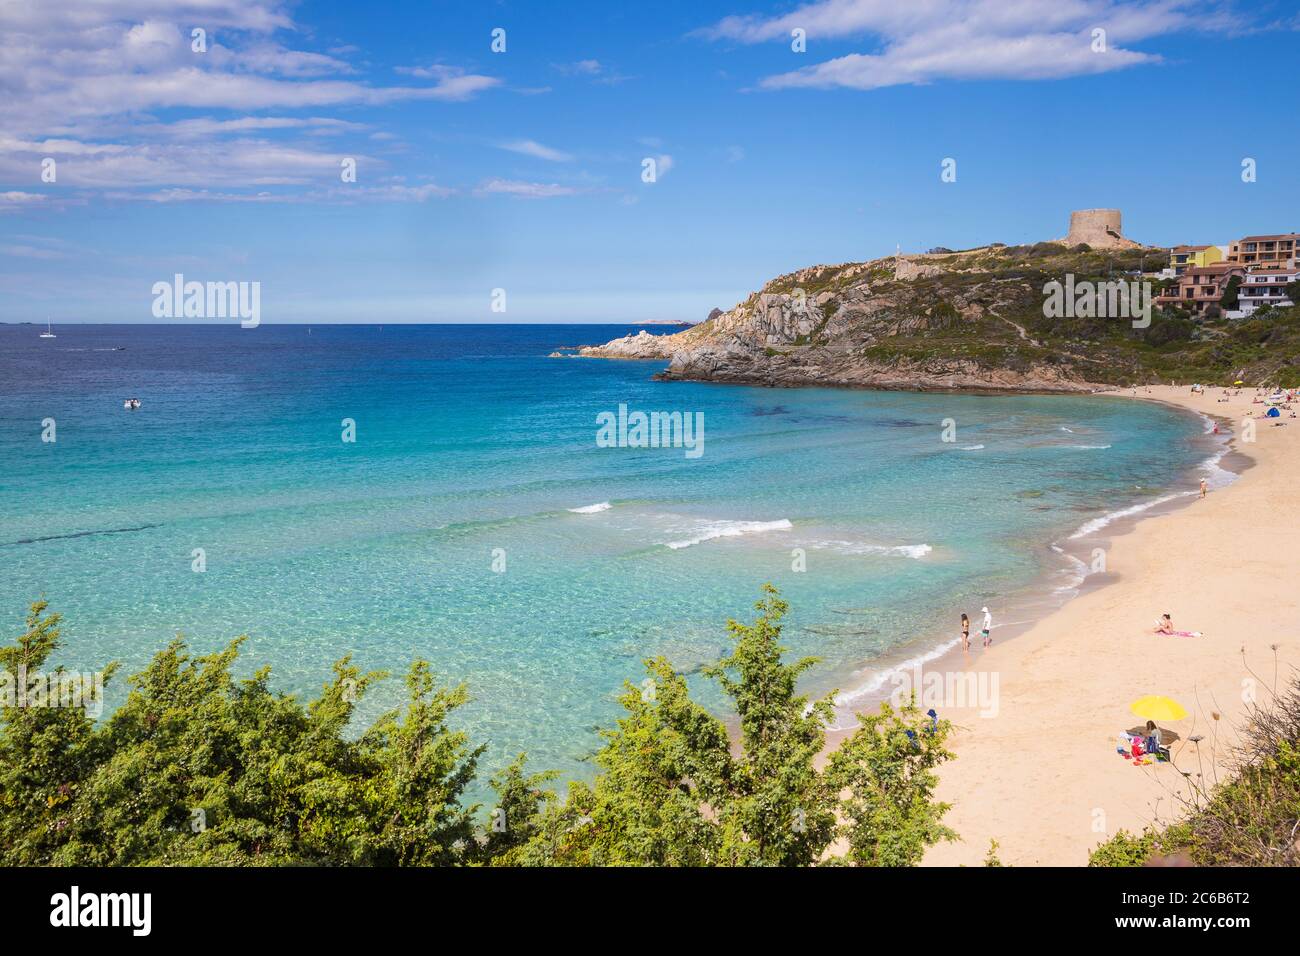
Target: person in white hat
{"type": "Point", "coordinates": [986, 630]}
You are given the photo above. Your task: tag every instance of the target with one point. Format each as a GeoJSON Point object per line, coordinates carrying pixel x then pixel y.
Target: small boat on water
{"type": "Point", "coordinates": [131, 404]}
{"type": "Point", "coordinates": [49, 331]}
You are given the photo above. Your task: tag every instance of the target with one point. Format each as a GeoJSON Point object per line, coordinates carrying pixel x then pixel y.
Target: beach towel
{"type": "Point", "coordinates": [1136, 750]}
{"type": "Point", "coordinates": [1156, 630]}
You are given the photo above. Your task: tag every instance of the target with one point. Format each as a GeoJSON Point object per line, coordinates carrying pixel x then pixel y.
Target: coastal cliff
{"type": "Point", "coordinates": [951, 320]}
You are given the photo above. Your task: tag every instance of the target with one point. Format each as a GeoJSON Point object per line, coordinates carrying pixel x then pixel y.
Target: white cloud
{"type": "Point", "coordinates": [593, 70]}
{"type": "Point", "coordinates": [207, 126]}
{"type": "Point", "coordinates": [397, 192]}
{"type": "Point", "coordinates": [923, 41]}
{"type": "Point", "coordinates": [193, 195]}
{"type": "Point", "coordinates": [336, 194]}
{"type": "Point", "coordinates": [239, 162]}
{"type": "Point", "coordinates": [525, 190]}
{"type": "Point", "coordinates": [452, 83]}
{"type": "Point", "coordinates": [90, 83]}
{"type": "Point", "coordinates": [528, 147]}
{"type": "Point", "coordinates": [31, 252]}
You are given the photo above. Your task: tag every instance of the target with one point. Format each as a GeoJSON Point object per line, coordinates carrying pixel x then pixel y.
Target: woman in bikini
{"type": "Point", "coordinates": [965, 632]}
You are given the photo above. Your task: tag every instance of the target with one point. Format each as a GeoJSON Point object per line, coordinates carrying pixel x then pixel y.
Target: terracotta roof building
{"type": "Point", "coordinates": [1201, 286]}
{"type": "Point", "coordinates": [1278, 250]}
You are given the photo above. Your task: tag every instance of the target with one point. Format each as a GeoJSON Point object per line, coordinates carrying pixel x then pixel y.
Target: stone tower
{"type": "Point", "coordinates": [1099, 228]}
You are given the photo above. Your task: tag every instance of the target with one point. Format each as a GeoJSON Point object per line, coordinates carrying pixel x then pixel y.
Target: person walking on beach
{"type": "Point", "coordinates": [1204, 487]}
{"type": "Point", "coordinates": [986, 631]}
{"type": "Point", "coordinates": [965, 632]}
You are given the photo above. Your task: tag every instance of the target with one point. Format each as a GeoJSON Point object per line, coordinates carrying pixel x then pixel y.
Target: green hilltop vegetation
{"type": "Point", "coordinates": [984, 309]}
{"type": "Point", "coordinates": [200, 768]}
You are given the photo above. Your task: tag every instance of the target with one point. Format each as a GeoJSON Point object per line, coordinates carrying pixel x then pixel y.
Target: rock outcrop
{"type": "Point", "coordinates": [643, 345]}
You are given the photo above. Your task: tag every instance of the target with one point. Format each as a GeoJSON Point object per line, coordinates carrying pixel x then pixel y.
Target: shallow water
{"type": "Point", "coordinates": [472, 446]}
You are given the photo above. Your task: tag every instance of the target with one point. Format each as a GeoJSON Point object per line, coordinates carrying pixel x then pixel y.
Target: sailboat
{"type": "Point", "coordinates": [49, 331]}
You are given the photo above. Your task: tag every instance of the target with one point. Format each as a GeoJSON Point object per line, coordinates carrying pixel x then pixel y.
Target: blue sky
{"type": "Point", "coordinates": [522, 170]}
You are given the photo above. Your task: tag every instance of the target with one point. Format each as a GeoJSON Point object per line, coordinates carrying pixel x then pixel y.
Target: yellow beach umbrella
{"type": "Point", "coordinates": [1154, 707]}
{"type": "Point", "coordinates": [1238, 382]}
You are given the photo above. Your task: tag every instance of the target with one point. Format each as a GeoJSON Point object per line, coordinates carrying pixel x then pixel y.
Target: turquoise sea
{"type": "Point", "coordinates": [473, 449]}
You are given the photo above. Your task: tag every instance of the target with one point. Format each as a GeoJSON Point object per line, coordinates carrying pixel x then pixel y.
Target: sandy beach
{"type": "Point", "coordinates": [1042, 776]}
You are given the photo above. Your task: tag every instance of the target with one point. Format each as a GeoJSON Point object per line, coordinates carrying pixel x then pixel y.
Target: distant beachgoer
{"type": "Point", "coordinates": [1153, 738]}
{"type": "Point", "coordinates": [1165, 625]}
{"type": "Point", "coordinates": [986, 631]}
{"type": "Point", "coordinates": [1204, 487]}
{"type": "Point", "coordinates": [965, 632]}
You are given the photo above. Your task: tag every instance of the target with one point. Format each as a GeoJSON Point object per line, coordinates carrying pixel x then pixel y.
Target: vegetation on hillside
{"type": "Point", "coordinates": [985, 308]}
{"type": "Point", "coordinates": [200, 768]}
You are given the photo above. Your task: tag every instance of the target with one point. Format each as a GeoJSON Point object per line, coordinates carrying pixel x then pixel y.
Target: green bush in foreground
{"type": "Point", "coordinates": [1125, 849]}
{"type": "Point", "coordinates": [198, 768]}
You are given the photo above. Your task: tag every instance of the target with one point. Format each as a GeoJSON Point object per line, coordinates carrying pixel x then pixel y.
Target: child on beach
{"type": "Point", "coordinates": [1204, 487]}
{"type": "Point", "coordinates": [986, 631]}
{"type": "Point", "coordinates": [965, 632]}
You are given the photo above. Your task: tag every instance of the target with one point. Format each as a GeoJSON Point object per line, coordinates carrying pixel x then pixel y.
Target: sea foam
{"type": "Point", "coordinates": [1096, 524]}
{"type": "Point", "coordinates": [915, 551]}
{"type": "Point", "coordinates": [729, 529]}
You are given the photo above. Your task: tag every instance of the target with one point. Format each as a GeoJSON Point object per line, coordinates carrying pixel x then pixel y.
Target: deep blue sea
{"type": "Point", "coordinates": [476, 522]}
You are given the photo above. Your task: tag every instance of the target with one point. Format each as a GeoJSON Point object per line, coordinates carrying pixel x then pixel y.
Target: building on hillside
{"type": "Point", "coordinates": [1267, 251]}
{"type": "Point", "coordinates": [1200, 287]}
{"type": "Point", "coordinates": [1182, 258]}
{"type": "Point", "coordinates": [1261, 287]}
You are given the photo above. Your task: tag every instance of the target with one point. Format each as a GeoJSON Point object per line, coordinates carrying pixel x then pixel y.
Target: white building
{"type": "Point", "coordinates": [1265, 287]}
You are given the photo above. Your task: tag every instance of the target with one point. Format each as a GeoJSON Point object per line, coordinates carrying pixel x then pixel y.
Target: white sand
{"type": "Point", "coordinates": [1042, 777]}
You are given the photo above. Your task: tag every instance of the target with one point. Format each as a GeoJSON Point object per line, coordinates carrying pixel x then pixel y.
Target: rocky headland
{"type": "Point", "coordinates": [956, 320]}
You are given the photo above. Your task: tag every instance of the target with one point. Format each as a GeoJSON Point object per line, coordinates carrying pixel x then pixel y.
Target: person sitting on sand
{"type": "Point", "coordinates": [1165, 625]}
{"type": "Point", "coordinates": [1152, 743]}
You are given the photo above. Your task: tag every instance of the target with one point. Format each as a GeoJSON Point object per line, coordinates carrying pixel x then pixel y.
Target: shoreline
{"type": "Point", "coordinates": [1036, 599]}
{"type": "Point", "coordinates": [1037, 770]}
